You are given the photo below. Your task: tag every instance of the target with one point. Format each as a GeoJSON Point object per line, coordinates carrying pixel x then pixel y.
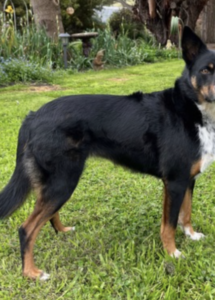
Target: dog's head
{"type": "Point", "coordinates": [200, 62]}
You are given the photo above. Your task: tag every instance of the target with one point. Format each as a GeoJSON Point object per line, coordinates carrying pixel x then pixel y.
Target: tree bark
{"type": "Point", "coordinates": [208, 22]}
{"type": "Point", "coordinates": [47, 14]}
{"type": "Point", "coordinates": [158, 19]}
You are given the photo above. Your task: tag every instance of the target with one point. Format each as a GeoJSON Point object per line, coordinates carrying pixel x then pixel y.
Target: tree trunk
{"type": "Point", "coordinates": [207, 22]}
{"type": "Point", "coordinates": [47, 14]}
{"type": "Point", "coordinates": [157, 14]}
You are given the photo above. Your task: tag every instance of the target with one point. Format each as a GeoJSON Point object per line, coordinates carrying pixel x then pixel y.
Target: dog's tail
{"type": "Point", "coordinates": [17, 189]}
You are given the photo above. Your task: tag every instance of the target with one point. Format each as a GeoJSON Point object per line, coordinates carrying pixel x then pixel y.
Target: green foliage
{"type": "Point", "coordinates": [79, 21]}
{"type": "Point", "coordinates": [120, 51]}
{"type": "Point", "coordinates": [82, 18]}
{"type": "Point", "coordinates": [20, 7]}
{"type": "Point", "coordinates": [115, 252]}
{"type": "Point", "coordinates": [20, 70]}
{"type": "Point", "coordinates": [124, 21]}
{"type": "Point", "coordinates": [31, 43]}
{"type": "Point", "coordinates": [35, 47]}
{"type": "Point", "coordinates": [21, 13]}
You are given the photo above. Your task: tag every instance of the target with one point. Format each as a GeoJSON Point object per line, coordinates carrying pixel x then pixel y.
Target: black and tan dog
{"type": "Point", "coordinates": [169, 134]}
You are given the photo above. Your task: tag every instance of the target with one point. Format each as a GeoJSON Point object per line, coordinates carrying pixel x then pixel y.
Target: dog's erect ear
{"type": "Point", "coordinates": [192, 45]}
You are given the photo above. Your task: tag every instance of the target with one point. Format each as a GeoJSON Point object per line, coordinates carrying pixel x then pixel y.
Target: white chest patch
{"type": "Point", "coordinates": [207, 141]}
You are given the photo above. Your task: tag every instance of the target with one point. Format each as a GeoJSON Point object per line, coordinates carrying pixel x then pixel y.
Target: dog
{"type": "Point", "coordinates": [169, 134]}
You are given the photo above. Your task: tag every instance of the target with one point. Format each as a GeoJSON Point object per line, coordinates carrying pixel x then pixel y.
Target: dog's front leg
{"type": "Point", "coordinates": [174, 192]}
{"type": "Point", "coordinates": [184, 219]}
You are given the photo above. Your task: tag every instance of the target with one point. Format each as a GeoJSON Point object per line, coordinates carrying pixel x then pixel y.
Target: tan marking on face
{"type": "Point", "coordinates": [194, 84]}
{"type": "Point", "coordinates": [204, 90]}
{"type": "Point", "coordinates": [207, 91]}
{"type": "Point", "coordinates": [167, 232]}
{"type": "Point", "coordinates": [211, 66]}
{"type": "Point", "coordinates": [193, 81]}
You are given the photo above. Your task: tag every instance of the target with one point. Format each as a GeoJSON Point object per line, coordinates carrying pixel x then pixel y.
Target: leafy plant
{"type": "Point", "coordinates": [34, 46]}
{"type": "Point", "coordinates": [16, 70]}
{"type": "Point", "coordinates": [123, 21]}
{"type": "Point", "coordinates": [123, 51]}
{"type": "Point", "coordinates": [30, 42]}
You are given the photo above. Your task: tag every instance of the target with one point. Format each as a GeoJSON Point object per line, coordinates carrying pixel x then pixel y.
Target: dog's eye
{"type": "Point", "coordinates": [205, 71]}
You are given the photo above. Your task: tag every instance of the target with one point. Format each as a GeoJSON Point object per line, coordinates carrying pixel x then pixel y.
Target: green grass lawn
{"type": "Point", "coordinates": [115, 252]}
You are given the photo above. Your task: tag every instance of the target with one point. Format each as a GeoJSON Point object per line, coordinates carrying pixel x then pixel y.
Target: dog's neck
{"type": "Point", "coordinates": [184, 86]}
{"type": "Point", "coordinates": [208, 111]}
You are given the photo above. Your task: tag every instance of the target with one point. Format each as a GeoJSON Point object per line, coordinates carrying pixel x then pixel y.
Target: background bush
{"type": "Point", "coordinates": [124, 21]}
{"type": "Point", "coordinates": [79, 21]}
{"type": "Point", "coordinates": [16, 70]}
{"type": "Point", "coordinates": [119, 52]}
{"type": "Point", "coordinates": [30, 55]}
{"type": "Point", "coordinates": [31, 43]}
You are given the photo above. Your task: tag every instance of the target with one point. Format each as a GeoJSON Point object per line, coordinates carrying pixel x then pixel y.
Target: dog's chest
{"type": "Point", "coordinates": [207, 143]}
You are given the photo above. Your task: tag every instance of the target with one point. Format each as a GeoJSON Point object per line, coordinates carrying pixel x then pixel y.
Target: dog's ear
{"type": "Point", "coordinates": [192, 45]}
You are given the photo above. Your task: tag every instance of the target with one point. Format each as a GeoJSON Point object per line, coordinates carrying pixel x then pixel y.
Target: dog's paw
{"type": "Point", "coordinates": [67, 229]}
{"type": "Point", "coordinates": [176, 254]}
{"type": "Point", "coordinates": [44, 276]}
{"type": "Point", "coordinates": [195, 236]}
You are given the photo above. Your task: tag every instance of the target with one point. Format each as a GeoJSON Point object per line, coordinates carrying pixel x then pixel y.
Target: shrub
{"type": "Point", "coordinates": [123, 51]}
{"type": "Point", "coordinates": [124, 21]}
{"type": "Point", "coordinates": [21, 70]}
{"type": "Point", "coordinates": [29, 54]}
{"type": "Point", "coordinates": [3, 76]}
{"type": "Point", "coordinates": [30, 42]}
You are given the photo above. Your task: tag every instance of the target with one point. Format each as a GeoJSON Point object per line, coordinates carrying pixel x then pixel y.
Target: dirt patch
{"type": "Point", "coordinates": [44, 88]}
{"type": "Point", "coordinates": [118, 79]}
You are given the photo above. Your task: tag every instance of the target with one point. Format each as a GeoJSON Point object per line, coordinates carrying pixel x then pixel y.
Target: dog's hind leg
{"type": "Point", "coordinates": [27, 235]}
{"type": "Point", "coordinates": [54, 193]}
{"type": "Point", "coordinates": [184, 219]}
{"type": "Point", "coordinates": [174, 192]}
{"type": "Point", "coordinates": [58, 226]}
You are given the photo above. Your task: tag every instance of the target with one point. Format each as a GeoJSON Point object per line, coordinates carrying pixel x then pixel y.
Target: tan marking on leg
{"type": "Point", "coordinates": [185, 217]}
{"type": "Point", "coordinates": [30, 270]}
{"type": "Point", "coordinates": [168, 238]}
{"type": "Point", "coordinates": [58, 225]}
{"type": "Point", "coordinates": [195, 169]}
{"type": "Point", "coordinates": [185, 212]}
{"type": "Point", "coordinates": [32, 227]}
{"type": "Point", "coordinates": [167, 232]}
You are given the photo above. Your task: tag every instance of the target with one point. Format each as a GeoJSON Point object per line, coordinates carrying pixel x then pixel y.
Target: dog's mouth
{"type": "Point", "coordinates": [209, 100]}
